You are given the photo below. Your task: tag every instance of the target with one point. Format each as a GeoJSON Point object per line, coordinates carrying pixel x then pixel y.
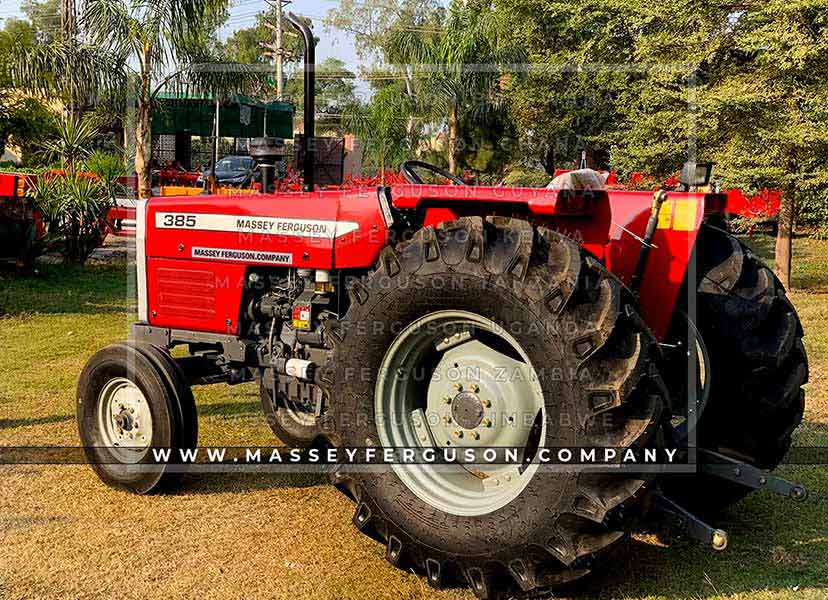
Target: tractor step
{"type": "Point", "coordinates": [686, 522]}
{"type": "Point", "coordinates": [747, 475]}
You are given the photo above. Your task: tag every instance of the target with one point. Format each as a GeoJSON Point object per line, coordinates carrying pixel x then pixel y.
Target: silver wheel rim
{"type": "Point", "coordinates": [124, 420]}
{"type": "Point", "coordinates": [454, 379]}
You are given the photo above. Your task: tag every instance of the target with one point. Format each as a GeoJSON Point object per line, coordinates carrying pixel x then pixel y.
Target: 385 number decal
{"type": "Point", "coordinates": [176, 220]}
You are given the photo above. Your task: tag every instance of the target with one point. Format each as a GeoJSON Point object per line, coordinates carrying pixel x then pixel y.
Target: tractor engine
{"type": "Point", "coordinates": [286, 311]}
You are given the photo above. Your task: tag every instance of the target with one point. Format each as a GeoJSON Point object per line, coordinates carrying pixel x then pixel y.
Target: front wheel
{"type": "Point", "coordinates": [133, 399]}
{"type": "Point", "coordinates": [482, 334]}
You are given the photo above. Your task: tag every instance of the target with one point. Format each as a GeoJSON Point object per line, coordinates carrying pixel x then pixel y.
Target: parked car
{"type": "Point", "coordinates": [237, 171]}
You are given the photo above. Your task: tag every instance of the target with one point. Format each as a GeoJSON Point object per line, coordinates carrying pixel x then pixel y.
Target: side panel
{"type": "Point", "coordinates": [196, 295]}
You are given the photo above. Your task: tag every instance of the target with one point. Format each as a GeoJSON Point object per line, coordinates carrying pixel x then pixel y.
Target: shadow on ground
{"type": "Point", "coordinates": [31, 421]}
{"type": "Point", "coordinates": [241, 482]}
{"type": "Point", "coordinates": [62, 289]}
{"type": "Point", "coordinates": [776, 545]}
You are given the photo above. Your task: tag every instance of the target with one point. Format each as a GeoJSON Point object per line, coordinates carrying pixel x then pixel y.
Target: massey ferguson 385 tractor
{"type": "Point", "coordinates": [449, 316]}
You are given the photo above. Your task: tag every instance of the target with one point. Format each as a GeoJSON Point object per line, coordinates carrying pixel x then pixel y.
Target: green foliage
{"type": "Point", "coordinates": [43, 17]}
{"type": "Point", "coordinates": [523, 176]}
{"type": "Point", "coordinates": [334, 93]}
{"type": "Point", "coordinates": [105, 165]}
{"type": "Point", "coordinates": [73, 207]}
{"type": "Point", "coordinates": [25, 123]}
{"type": "Point", "coordinates": [72, 141]}
{"type": "Point", "coordinates": [382, 129]}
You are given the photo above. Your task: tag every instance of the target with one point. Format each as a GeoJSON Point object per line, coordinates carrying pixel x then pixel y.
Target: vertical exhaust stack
{"type": "Point", "coordinates": [310, 99]}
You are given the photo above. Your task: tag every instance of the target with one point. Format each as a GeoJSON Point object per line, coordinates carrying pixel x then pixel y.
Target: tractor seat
{"type": "Point", "coordinates": [581, 179]}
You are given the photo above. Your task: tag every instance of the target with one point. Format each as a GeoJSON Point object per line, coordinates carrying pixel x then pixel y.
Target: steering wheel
{"type": "Point", "coordinates": [408, 171]}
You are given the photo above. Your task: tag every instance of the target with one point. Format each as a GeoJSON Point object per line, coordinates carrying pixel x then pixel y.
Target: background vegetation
{"type": "Point", "coordinates": [509, 90]}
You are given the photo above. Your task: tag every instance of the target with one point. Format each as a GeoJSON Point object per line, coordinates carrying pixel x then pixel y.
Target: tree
{"type": "Point", "coordinates": [773, 108]}
{"type": "Point", "coordinates": [44, 18]}
{"type": "Point", "coordinates": [382, 128]}
{"type": "Point", "coordinates": [253, 46]}
{"type": "Point", "coordinates": [463, 89]}
{"type": "Point", "coordinates": [748, 91]}
{"type": "Point", "coordinates": [335, 92]}
{"type": "Point", "coordinates": [153, 34]}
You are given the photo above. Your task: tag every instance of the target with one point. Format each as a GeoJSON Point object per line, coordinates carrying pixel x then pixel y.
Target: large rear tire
{"type": "Point", "coordinates": [540, 303]}
{"type": "Point", "coordinates": [758, 366]}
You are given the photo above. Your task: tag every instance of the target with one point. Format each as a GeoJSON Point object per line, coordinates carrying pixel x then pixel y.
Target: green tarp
{"type": "Point", "coordinates": [239, 117]}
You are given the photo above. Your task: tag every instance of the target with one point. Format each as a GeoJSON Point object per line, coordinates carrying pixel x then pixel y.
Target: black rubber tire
{"type": "Point", "coordinates": [283, 423]}
{"type": "Point", "coordinates": [580, 324]}
{"type": "Point", "coordinates": [758, 366]}
{"type": "Point", "coordinates": [171, 403]}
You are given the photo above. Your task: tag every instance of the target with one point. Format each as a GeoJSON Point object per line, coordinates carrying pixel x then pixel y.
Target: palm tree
{"type": "Point", "coordinates": [466, 52]}
{"type": "Point", "coordinates": [151, 34]}
{"type": "Point", "coordinates": [381, 125]}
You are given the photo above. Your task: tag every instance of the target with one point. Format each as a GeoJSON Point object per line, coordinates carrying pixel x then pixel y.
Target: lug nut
{"type": "Point", "coordinates": [458, 387]}
{"type": "Point", "coordinates": [719, 540]}
{"type": "Point", "coordinates": [458, 434]}
{"type": "Point", "coordinates": [486, 403]}
{"type": "Point", "coordinates": [447, 399]}
{"type": "Point", "coordinates": [486, 422]}
{"type": "Point", "coordinates": [475, 388]}
{"type": "Point", "coordinates": [447, 419]}
{"type": "Point", "coordinates": [475, 435]}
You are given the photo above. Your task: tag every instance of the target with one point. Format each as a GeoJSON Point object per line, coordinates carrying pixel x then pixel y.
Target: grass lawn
{"type": "Point", "coordinates": [63, 534]}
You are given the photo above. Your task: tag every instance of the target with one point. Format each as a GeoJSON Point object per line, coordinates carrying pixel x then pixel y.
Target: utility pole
{"type": "Point", "coordinates": [280, 51]}
{"type": "Point", "coordinates": [278, 48]}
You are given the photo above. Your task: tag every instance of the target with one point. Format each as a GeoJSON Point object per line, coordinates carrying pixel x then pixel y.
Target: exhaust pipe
{"type": "Point", "coordinates": [310, 99]}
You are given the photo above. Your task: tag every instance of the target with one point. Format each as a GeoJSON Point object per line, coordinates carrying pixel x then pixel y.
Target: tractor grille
{"type": "Point", "coordinates": [186, 293]}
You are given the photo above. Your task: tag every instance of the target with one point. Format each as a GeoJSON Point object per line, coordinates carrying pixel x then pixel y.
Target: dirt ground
{"type": "Point", "coordinates": [63, 534]}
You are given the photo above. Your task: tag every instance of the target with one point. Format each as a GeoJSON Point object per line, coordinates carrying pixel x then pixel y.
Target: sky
{"type": "Point", "coordinates": [332, 42]}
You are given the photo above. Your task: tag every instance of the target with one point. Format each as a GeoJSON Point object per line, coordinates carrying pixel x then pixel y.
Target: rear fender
{"type": "Point", "coordinates": [612, 229]}
{"type": "Point", "coordinates": [670, 258]}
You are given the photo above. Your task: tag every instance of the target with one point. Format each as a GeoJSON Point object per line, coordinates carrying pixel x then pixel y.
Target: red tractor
{"type": "Point", "coordinates": [429, 317]}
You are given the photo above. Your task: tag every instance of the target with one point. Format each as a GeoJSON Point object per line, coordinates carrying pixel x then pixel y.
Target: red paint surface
{"type": "Point", "coordinates": [216, 287]}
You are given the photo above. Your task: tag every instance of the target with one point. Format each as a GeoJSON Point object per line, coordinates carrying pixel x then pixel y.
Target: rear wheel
{"type": "Point", "coordinates": [133, 398]}
{"type": "Point", "coordinates": [492, 333]}
{"type": "Point", "coordinates": [757, 365]}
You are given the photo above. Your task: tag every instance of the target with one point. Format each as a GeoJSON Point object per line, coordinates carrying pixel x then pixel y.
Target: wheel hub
{"type": "Point", "coordinates": [482, 393]}
{"type": "Point", "coordinates": [124, 418]}
{"type": "Point", "coordinates": [467, 410]}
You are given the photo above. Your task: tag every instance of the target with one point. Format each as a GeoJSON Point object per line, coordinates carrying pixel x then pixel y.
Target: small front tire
{"type": "Point", "coordinates": [132, 399]}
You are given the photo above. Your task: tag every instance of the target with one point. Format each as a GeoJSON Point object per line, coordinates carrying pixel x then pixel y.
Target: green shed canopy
{"type": "Point", "coordinates": [239, 117]}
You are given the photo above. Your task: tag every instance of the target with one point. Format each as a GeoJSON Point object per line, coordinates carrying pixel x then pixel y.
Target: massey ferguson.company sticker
{"type": "Point", "coordinates": [247, 256]}
{"type": "Point", "coordinates": [311, 228]}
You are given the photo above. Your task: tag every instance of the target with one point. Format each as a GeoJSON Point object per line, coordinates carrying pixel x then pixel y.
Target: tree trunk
{"type": "Point", "coordinates": [142, 158]}
{"type": "Point", "coordinates": [784, 238]}
{"type": "Point", "coordinates": [453, 135]}
{"type": "Point", "coordinates": [142, 132]}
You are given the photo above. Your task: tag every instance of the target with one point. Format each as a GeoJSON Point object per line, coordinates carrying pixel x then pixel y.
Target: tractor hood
{"type": "Point", "coordinates": [197, 249]}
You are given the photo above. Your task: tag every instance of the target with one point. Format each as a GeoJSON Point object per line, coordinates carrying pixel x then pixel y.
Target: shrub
{"type": "Point", "coordinates": [74, 207]}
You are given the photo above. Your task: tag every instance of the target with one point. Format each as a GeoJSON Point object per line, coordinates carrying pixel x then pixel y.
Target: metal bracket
{"type": "Point", "coordinates": [690, 523]}
{"type": "Point", "coordinates": [747, 475]}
